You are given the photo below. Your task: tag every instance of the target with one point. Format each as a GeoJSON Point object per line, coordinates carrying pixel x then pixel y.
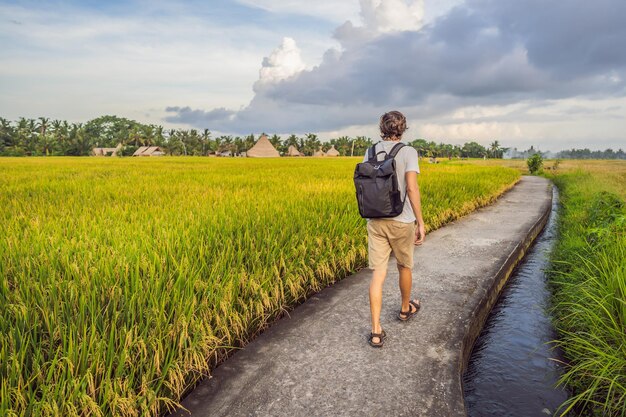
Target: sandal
{"type": "Point", "coordinates": [405, 315]}
{"type": "Point", "coordinates": [381, 336]}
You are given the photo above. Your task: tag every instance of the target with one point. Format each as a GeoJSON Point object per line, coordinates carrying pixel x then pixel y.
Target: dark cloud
{"type": "Point", "coordinates": [188, 115]}
{"type": "Point", "coordinates": [483, 52]}
{"type": "Point", "coordinates": [567, 38]}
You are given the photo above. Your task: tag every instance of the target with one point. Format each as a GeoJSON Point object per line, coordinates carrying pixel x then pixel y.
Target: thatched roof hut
{"type": "Point", "coordinates": [263, 148]}
{"type": "Point", "coordinates": [293, 151]}
{"type": "Point", "coordinates": [319, 152]}
{"type": "Point", "coordinates": [106, 151]}
{"type": "Point", "coordinates": [140, 150]}
{"type": "Point", "coordinates": [332, 151]}
{"type": "Point", "coordinates": [149, 151]}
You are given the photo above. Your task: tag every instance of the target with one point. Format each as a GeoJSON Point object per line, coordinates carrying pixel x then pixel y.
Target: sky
{"type": "Point", "coordinates": [548, 74]}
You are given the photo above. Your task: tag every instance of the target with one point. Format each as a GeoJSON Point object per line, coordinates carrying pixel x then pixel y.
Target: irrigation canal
{"type": "Point", "coordinates": [513, 368]}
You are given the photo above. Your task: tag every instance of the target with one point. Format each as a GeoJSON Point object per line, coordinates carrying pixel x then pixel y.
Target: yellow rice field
{"type": "Point", "coordinates": [123, 281]}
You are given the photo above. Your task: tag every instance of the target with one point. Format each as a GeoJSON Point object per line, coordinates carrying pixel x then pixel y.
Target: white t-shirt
{"type": "Point", "coordinates": [406, 160]}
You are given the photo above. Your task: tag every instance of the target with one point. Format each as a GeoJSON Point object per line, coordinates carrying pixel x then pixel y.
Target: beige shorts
{"type": "Point", "coordinates": [385, 236]}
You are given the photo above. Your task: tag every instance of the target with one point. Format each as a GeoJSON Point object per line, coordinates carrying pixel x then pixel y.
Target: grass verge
{"type": "Point", "coordinates": [589, 287]}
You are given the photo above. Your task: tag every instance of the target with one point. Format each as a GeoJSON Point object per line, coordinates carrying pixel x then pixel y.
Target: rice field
{"type": "Point", "coordinates": [123, 281]}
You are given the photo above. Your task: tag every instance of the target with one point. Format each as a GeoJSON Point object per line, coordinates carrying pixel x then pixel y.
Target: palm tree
{"type": "Point", "coordinates": [361, 144]}
{"type": "Point", "coordinates": [183, 136]}
{"type": "Point", "coordinates": [311, 144]}
{"type": "Point", "coordinates": [80, 140]}
{"type": "Point", "coordinates": [249, 141]}
{"type": "Point", "coordinates": [135, 137]}
{"type": "Point", "coordinates": [433, 149]}
{"type": "Point", "coordinates": [173, 144]}
{"type": "Point", "coordinates": [421, 145]}
{"type": "Point", "coordinates": [62, 135]}
{"type": "Point", "coordinates": [343, 144]}
{"type": "Point", "coordinates": [159, 138]}
{"type": "Point", "coordinates": [446, 150]}
{"type": "Point", "coordinates": [292, 140]}
{"type": "Point", "coordinates": [194, 143]}
{"type": "Point", "coordinates": [218, 143]}
{"type": "Point", "coordinates": [48, 143]}
{"type": "Point", "coordinates": [227, 144]}
{"type": "Point", "coordinates": [239, 145]}
{"type": "Point", "coordinates": [7, 134]}
{"type": "Point", "coordinates": [24, 135]}
{"type": "Point", "coordinates": [147, 135]}
{"type": "Point", "coordinates": [43, 124]}
{"type": "Point", "coordinates": [205, 138]}
{"type": "Point", "coordinates": [494, 149]}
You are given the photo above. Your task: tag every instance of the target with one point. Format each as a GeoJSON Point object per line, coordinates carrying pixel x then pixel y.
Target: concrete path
{"type": "Point", "coordinates": [317, 362]}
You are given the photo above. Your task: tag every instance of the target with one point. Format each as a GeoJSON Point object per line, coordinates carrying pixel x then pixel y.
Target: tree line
{"type": "Point", "coordinates": [46, 137]}
{"type": "Point", "coordinates": [566, 154]}
{"type": "Point", "coordinates": [589, 154]}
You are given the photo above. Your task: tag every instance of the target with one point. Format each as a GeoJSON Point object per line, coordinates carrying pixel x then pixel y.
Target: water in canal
{"type": "Point", "coordinates": [512, 370]}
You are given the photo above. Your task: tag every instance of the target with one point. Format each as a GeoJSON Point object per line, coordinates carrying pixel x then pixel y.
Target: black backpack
{"type": "Point", "coordinates": [376, 185]}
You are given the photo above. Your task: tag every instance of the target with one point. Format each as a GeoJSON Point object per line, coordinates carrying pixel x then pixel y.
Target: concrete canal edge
{"type": "Point", "coordinates": [316, 361]}
{"type": "Point", "coordinates": [494, 289]}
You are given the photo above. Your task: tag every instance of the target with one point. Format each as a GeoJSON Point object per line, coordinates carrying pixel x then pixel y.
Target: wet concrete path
{"type": "Point", "coordinates": [317, 361]}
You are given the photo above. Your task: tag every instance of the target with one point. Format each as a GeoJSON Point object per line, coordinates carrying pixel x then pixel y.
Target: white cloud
{"type": "Point", "coordinates": [284, 62]}
{"type": "Point", "coordinates": [392, 15]}
{"type": "Point", "coordinates": [379, 17]}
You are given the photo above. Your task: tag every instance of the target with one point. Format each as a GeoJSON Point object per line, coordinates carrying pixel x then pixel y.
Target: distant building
{"type": "Point", "coordinates": [149, 151]}
{"type": "Point", "coordinates": [332, 151]}
{"type": "Point", "coordinates": [293, 151]}
{"type": "Point", "coordinates": [319, 152]}
{"type": "Point", "coordinates": [263, 148]}
{"type": "Point", "coordinates": [106, 151]}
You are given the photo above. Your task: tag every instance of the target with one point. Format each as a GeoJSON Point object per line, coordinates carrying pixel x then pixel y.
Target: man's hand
{"type": "Point", "coordinates": [420, 233]}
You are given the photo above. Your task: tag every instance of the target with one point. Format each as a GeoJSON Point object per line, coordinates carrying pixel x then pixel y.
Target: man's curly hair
{"type": "Point", "coordinates": [392, 125]}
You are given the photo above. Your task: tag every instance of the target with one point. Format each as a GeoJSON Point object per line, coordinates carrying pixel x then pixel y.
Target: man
{"type": "Point", "coordinates": [397, 234]}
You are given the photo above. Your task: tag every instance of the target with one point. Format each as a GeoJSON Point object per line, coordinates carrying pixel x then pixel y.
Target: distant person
{"type": "Point", "coordinates": [395, 234]}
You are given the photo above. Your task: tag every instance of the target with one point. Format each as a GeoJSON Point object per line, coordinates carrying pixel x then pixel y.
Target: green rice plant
{"type": "Point", "coordinates": [123, 281]}
{"type": "Point", "coordinates": [595, 333]}
{"type": "Point", "coordinates": [589, 280]}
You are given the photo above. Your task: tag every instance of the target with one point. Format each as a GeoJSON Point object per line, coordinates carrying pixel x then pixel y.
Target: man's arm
{"type": "Point", "coordinates": [413, 194]}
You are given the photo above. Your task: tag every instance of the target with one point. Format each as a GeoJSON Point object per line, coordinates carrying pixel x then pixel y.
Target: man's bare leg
{"type": "Point", "coordinates": [376, 299]}
{"type": "Point", "coordinates": [406, 282]}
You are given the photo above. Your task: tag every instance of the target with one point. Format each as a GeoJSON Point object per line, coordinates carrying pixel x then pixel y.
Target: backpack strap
{"type": "Point", "coordinates": [392, 154]}
{"type": "Point", "coordinates": [371, 156]}
{"type": "Point", "coordinates": [396, 148]}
